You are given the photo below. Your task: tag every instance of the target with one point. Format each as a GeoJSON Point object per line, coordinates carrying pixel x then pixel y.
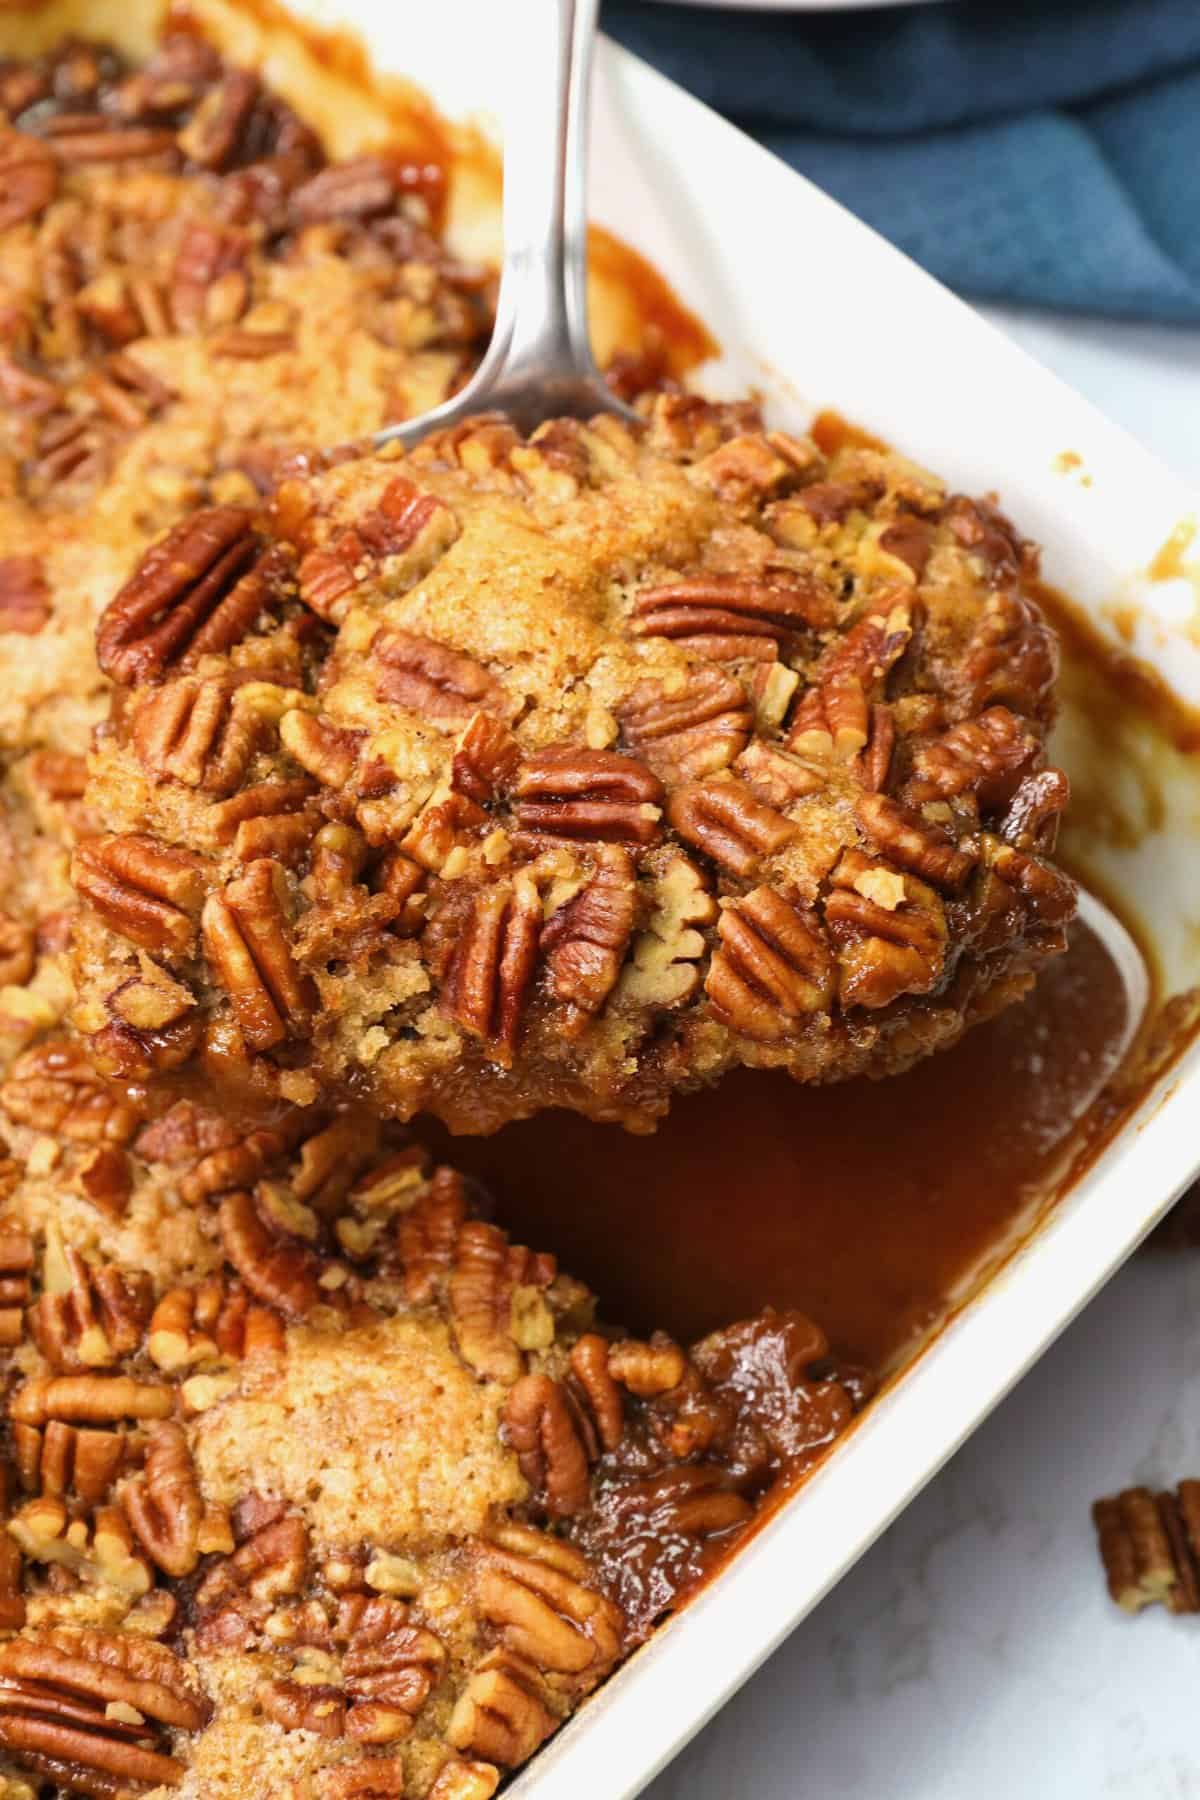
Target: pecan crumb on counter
{"type": "Point", "coordinates": [573, 772]}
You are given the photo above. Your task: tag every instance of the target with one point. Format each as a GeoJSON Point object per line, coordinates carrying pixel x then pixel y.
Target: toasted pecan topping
{"type": "Point", "coordinates": [24, 595]}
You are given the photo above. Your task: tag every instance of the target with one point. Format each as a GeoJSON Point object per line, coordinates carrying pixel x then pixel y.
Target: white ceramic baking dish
{"type": "Point", "coordinates": [818, 312]}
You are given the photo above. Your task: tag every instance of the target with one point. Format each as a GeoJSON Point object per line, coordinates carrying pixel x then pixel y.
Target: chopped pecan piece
{"type": "Point", "coordinates": [28, 178]}
{"type": "Point", "coordinates": [1031, 822]}
{"type": "Point", "coordinates": [466, 1781]}
{"type": "Point", "coordinates": [245, 933]}
{"type": "Point", "coordinates": [98, 1551]}
{"type": "Point", "coordinates": [691, 729]}
{"type": "Point", "coordinates": [281, 1271]}
{"type": "Point", "coordinates": [440, 684]}
{"type": "Point", "coordinates": [196, 591]}
{"type": "Point", "coordinates": [541, 1428]}
{"type": "Point", "coordinates": [726, 821]}
{"type": "Point", "coordinates": [585, 941]}
{"type": "Point", "coordinates": [1150, 1547]}
{"type": "Point", "coordinates": [24, 595]}
{"type": "Point", "coordinates": [729, 616]}
{"type": "Point", "coordinates": [834, 716]}
{"type": "Point", "coordinates": [594, 794]}
{"type": "Point", "coordinates": [488, 1278]}
{"type": "Point", "coordinates": [663, 970]}
{"type": "Point", "coordinates": [773, 966]}
{"type": "Point", "coordinates": [17, 952]}
{"type": "Point", "coordinates": [147, 891]}
{"type": "Point", "coordinates": [775, 776]}
{"type": "Point", "coordinates": [208, 280]}
{"type": "Point", "coordinates": [492, 964]}
{"type": "Point", "coordinates": [97, 1702]}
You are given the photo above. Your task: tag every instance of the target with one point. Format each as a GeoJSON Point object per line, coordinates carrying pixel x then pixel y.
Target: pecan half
{"type": "Point", "coordinates": [28, 178]}
{"type": "Point", "coordinates": [728, 823]}
{"type": "Point", "coordinates": [486, 1279]}
{"type": "Point", "coordinates": [889, 931]}
{"type": "Point", "coordinates": [912, 842]}
{"type": "Point", "coordinates": [775, 776]}
{"type": "Point", "coordinates": [595, 794]}
{"type": "Point", "coordinates": [68, 1693]}
{"type": "Point", "coordinates": [389, 1668]}
{"type": "Point", "coordinates": [834, 716]}
{"type": "Point", "coordinates": [428, 1234]}
{"type": "Point", "coordinates": [585, 941]}
{"type": "Point", "coordinates": [595, 1387]}
{"type": "Point", "coordinates": [246, 936]}
{"type": "Point", "coordinates": [1150, 1547]}
{"type": "Point", "coordinates": [215, 1319]}
{"type": "Point", "coordinates": [16, 1269]}
{"type": "Point", "coordinates": [66, 1459]}
{"type": "Point", "coordinates": [486, 757]}
{"type": "Point", "coordinates": [364, 187]}
{"type": "Point", "coordinates": [147, 891]}
{"type": "Point", "coordinates": [542, 1596]}
{"type": "Point", "coordinates": [1012, 658]}
{"type": "Point", "coordinates": [988, 756]}
{"type": "Point", "coordinates": [54, 1089]}
{"type": "Point", "coordinates": [502, 1713]}
{"type": "Point", "coordinates": [196, 591]}
{"type": "Point", "coordinates": [773, 965]}
{"type": "Point", "coordinates": [404, 519]}
{"type": "Point", "coordinates": [239, 1590]}
{"type": "Point", "coordinates": [195, 732]}
{"type": "Point", "coordinates": [492, 964]}
{"type": "Point", "coordinates": [280, 1270]}
{"type": "Point", "coordinates": [442, 685]}
{"type": "Point", "coordinates": [728, 616]}
{"type": "Point", "coordinates": [690, 729]}
{"type": "Point", "coordinates": [24, 595]}
{"type": "Point", "coordinates": [541, 1429]}
{"type": "Point", "coordinates": [327, 751]}
{"type": "Point", "coordinates": [318, 1707]}
{"type": "Point", "coordinates": [165, 1509]}
{"type": "Point", "coordinates": [87, 1316]}
{"type": "Point", "coordinates": [89, 1399]}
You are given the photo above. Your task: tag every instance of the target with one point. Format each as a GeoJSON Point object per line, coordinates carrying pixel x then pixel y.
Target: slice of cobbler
{"type": "Point", "coordinates": [571, 772]}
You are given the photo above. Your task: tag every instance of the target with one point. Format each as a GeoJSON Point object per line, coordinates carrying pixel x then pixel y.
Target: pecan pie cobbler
{"type": "Point", "coordinates": [511, 774]}
{"type": "Point", "coordinates": [570, 771]}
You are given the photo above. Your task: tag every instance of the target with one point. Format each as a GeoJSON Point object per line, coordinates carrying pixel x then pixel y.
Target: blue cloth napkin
{"type": "Point", "coordinates": [1039, 151]}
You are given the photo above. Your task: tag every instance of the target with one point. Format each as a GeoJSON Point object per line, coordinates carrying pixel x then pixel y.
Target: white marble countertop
{"type": "Point", "coordinates": [974, 1650]}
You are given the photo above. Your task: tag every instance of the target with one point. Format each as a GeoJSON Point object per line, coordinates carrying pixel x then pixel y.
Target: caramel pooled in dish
{"type": "Point", "coordinates": [571, 772]}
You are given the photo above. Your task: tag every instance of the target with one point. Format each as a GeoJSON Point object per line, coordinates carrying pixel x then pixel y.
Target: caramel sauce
{"type": "Point", "coordinates": [867, 1205]}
